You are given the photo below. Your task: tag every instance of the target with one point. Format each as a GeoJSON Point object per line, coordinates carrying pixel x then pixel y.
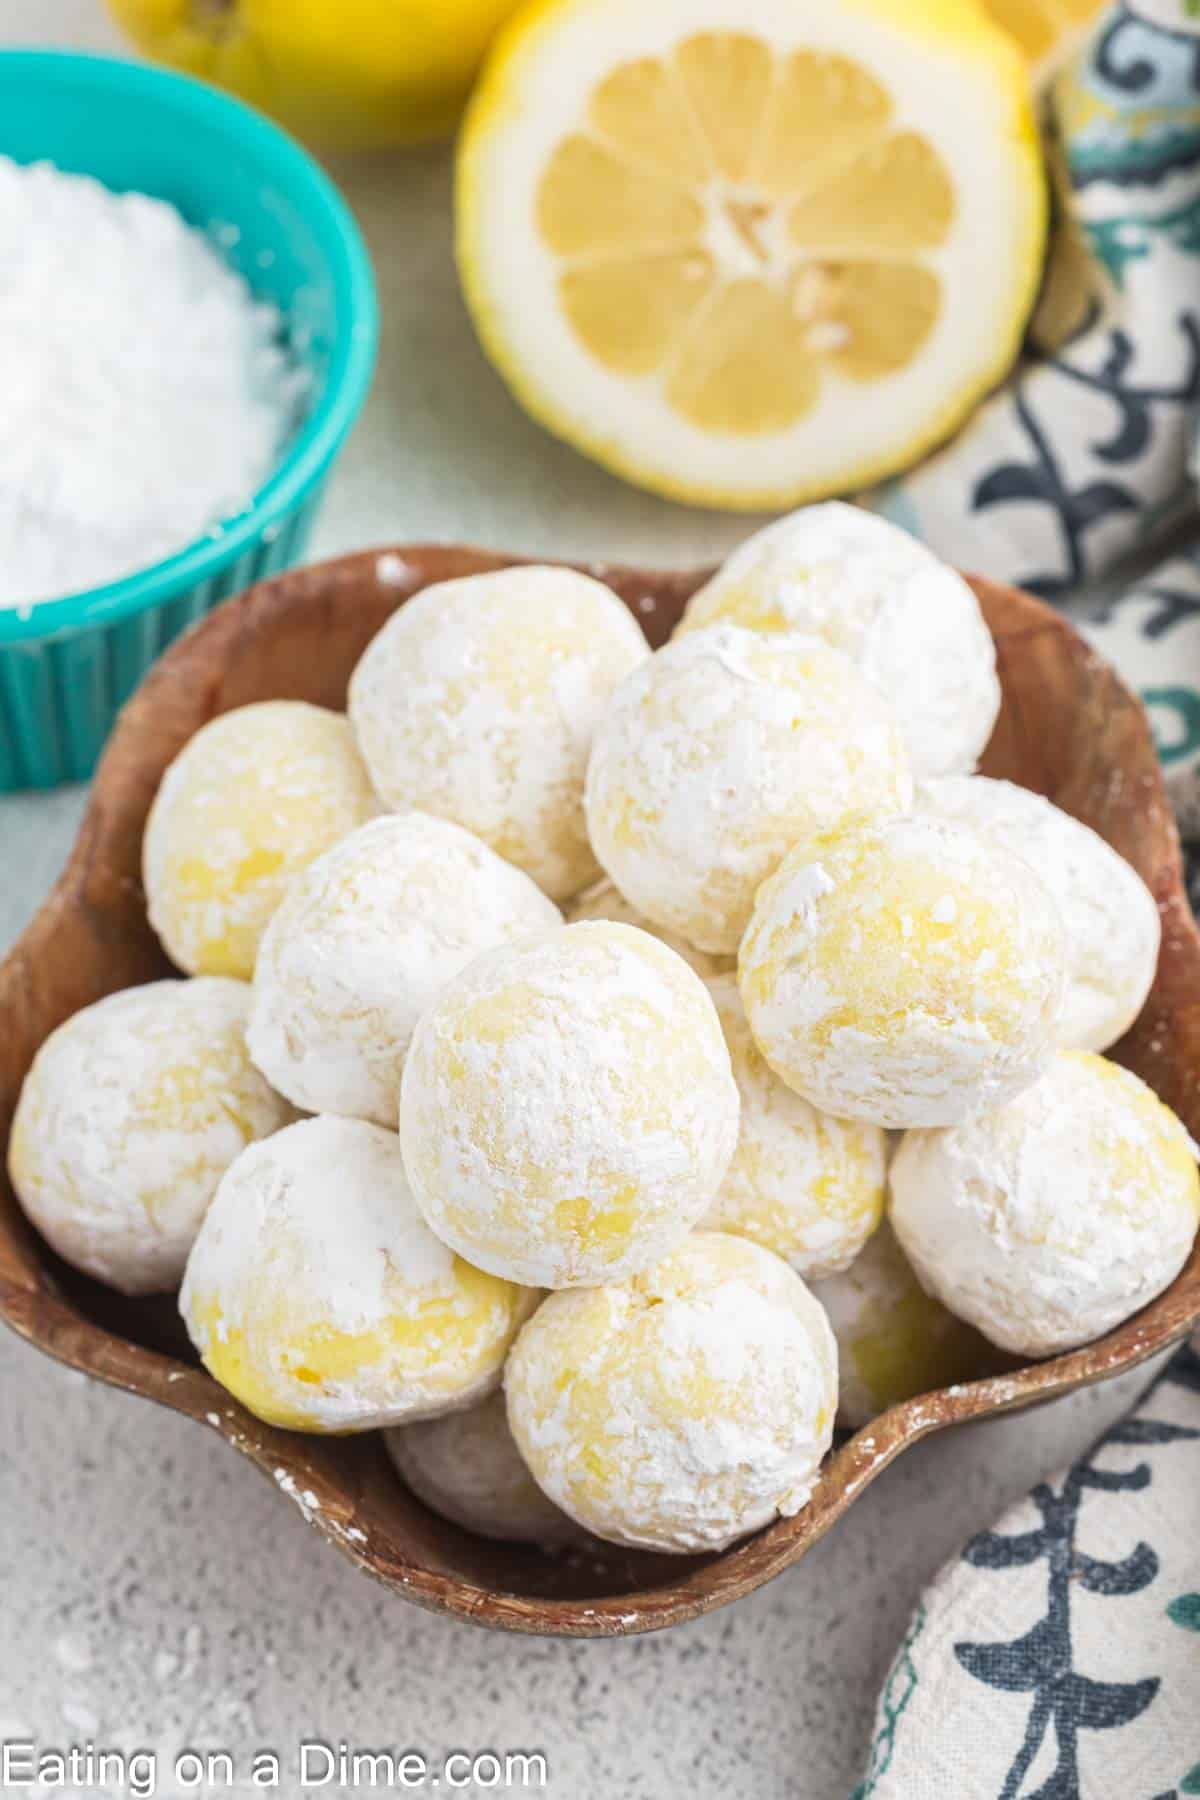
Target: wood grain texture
{"type": "Point", "coordinates": [1068, 728]}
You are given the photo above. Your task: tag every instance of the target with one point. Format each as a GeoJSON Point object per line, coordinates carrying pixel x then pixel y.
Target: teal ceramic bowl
{"type": "Point", "coordinates": [67, 665]}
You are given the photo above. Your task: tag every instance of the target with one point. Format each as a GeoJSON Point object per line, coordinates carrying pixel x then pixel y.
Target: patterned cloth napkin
{"type": "Point", "coordinates": [1083, 468]}
{"type": "Point", "coordinates": [1059, 1657]}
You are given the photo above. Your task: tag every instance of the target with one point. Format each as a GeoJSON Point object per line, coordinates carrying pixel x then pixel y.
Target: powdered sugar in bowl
{"type": "Point", "coordinates": [308, 322]}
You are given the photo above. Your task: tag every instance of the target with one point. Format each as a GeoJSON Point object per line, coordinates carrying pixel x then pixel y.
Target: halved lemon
{"type": "Point", "coordinates": [751, 252]}
{"type": "Point", "coordinates": [1047, 30]}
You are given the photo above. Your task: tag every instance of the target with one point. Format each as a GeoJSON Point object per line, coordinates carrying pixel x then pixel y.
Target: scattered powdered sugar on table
{"type": "Point", "coordinates": [146, 393]}
{"type": "Point", "coordinates": [79, 1717]}
{"type": "Point", "coordinates": [73, 1653]}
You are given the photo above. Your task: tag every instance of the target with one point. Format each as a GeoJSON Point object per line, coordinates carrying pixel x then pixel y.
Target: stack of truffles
{"type": "Point", "coordinates": [631, 1165]}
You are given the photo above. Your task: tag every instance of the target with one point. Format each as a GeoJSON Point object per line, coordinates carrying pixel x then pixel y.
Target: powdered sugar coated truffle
{"type": "Point", "coordinates": [466, 1466]}
{"type": "Point", "coordinates": [247, 803]}
{"type": "Point", "coordinates": [909, 623]}
{"type": "Point", "coordinates": [683, 1408]}
{"type": "Point", "coordinates": [894, 1340]}
{"type": "Point", "coordinates": [132, 1111]}
{"type": "Point", "coordinates": [1051, 1220]}
{"type": "Point", "coordinates": [478, 700]}
{"type": "Point", "coordinates": [604, 901]}
{"type": "Point", "coordinates": [319, 1297]}
{"type": "Point", "coordinates": [905, 972]}
{"type": "Point", "coordinates": [363, 941]}
{"type": "Point", "coordinates": [807, 1186]}
{"type": "Point", "coordinates": [567, 1108]}
{"type": "Point", "coordinates": [1113, 929]}
{"type": "Point", "coordinates": [716, 756]}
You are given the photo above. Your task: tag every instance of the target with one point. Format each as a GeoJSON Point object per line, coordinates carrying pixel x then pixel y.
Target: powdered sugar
{"type": "Point", "coordinates": [910, 624]}
{"type": "Point", "coordinates": [288, 1190]}
{"type": "Point", "coordinates": [317, 1291]}
{"type": "Point", "coordinates": [894, 1340]}
{"type": "Point", "coordinates": [717, 756]}
{"type": "Point", "coordinates": [681, 1409]}
{"type": "Point", "coordinates": [567, 1109]}
{"type": "Point", "coordinates": [1050, 1220]}
{"type": "Point", "coordinates": [364, 939]}
{"type": "Point", "coordinates": [1111, 919]}
{"type": "Point", "coordinates": [132, 1111]}
{"type": "Point", "coordinates": [868, 998]}
{"type": "Point", "coordinates": [478, 700]}
{"type": "Point", "coordinates": [605, 901]}
{"type": "Point", "coordinates": [807, 1186]}
{"type": "Point", "coordinates": [254, 797]}
{"type": "Point", "coordinates": [467, 1467]}
{"type": "Point", "coordinates": [146, 394]}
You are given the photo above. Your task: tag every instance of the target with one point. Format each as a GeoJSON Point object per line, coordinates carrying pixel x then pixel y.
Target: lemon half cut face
{"type": "Point", "coordinates": [747, 254]}
{"type": "Point", "coordinates": [738, 222]}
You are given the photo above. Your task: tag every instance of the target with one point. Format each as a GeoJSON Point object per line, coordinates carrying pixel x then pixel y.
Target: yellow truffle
{"type": "Point", "coordinates": [1050, 1220]}
{"type": "Point", "coordinates": [567, 1109]}
{"type": "Point", "coordinates": [1110, 916]}
{"type": "Point", "coordinates": [132, 1111]}
{"type": "Point", "coordinates": [684, 1407]}
{"type": "Point", "coordinates": [904, 972]}
{"type": "Point", "coordinates": [894, 1340]}
{"type": "Point", "coordinates": [604, 901]}
{"type": "Point", "coordinates": [253, 798]}
{"type": "Point", "coordinates": [477, 703]}
{"type": "Point", "coordinates": [466, 1466]}
{"type": "Point", "coordinates": [719, 754]}
{"type": "Point", "coordinates": [862, 585]}
{"type": "Point", "coordinates": [803, 1184]}
{"type": "Point", "coordinates": [318, 1296]}
{"type": "Point", "coordinates": [362, 942]}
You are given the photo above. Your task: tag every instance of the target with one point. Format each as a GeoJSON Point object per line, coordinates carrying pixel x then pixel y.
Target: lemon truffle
{"type": "Point", "coordinates": [478, 700]}
{"type": "Point", "coordinates": [1113, 929]}
{"type": "Point", "coordinates": [1052, 1219]}
{"type": "Point", "coordinates": [567, 1108]}
{"type": "Point", "coordinates": [604, 901]}
{"type": "Point", "coordinates": [364, 939]}
{"type": "Point", "coordinates": [906, 972]}
{"type": "Point", "coordinates": [894, 1340]}
{"type": "Point", "coordinates": [907, 621]}
{"type": "Point", "coordinates": [803, 1184]}
{"type": "Point", "coordinates": [130, 1115]}
{"type": "Point", "coordinates": [467, 1468]}
{"type": "Point", "coordinates": [719, 754]}
{"type": "Point", "coordinates": [254, 797]}
{"type": "Point", "coordinates": [318, 1296]}
{"type": "Point", "coordinates": [683, 1408]}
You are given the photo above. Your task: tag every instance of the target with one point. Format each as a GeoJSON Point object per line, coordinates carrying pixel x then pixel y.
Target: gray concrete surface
{"type": "Point", "coordinates": [154, 1591]}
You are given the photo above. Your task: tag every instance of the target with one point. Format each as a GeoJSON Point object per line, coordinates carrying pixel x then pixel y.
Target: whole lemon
{"type": "Point", "coordinates": [345, 74]}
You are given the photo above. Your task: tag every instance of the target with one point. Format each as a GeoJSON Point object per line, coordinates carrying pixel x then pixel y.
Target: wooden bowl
{"type": "Point", "coordinates": [1068, 729]}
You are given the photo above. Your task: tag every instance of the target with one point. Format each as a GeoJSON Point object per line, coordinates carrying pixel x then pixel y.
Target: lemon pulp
{"type": "Point", "coordinates": [739, 222]}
